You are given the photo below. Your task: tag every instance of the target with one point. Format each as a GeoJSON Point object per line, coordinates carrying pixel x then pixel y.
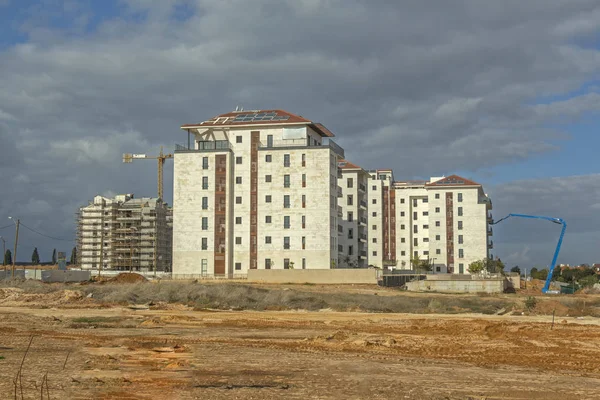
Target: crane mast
{"type": "Point", "coordinates": [161, 158]}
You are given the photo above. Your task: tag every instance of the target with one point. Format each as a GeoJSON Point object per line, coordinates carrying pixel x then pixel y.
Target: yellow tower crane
{"type": "Point", "coordinates": [129, 157]}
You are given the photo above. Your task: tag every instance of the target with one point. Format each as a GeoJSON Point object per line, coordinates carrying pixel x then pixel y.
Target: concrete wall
{"type": "Point", "coordinates": [457, 286]}
{"type": "Point", "coordinates": [331, 276]}
{"type": "Point", "coordinates": [19, 273]}
{"type": "Point", "coordinates": [65, 276]}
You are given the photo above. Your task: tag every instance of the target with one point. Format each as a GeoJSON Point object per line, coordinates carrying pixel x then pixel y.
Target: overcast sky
{"type": "Point", "coordinates": [506, 93]}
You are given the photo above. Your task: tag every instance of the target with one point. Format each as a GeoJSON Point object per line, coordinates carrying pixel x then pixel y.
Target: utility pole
{"type": "Point", "coordinates": [161, 158]}
{"type": "Point", "coordinates": [16, 244]}
{"type": "Point", "coordinates": [3, 252]}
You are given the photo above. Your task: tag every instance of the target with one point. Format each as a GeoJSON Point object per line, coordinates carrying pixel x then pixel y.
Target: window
{"type": "Point", "coordinates": [416, 254]}
{"type": "Point", "coordinates": [402, 253]}
{"type": "Point", "coordinates": [416, 229]}
{"type": "Point", "coordinates": [460, 211]}
{"type": "Point", "coordinates": [401, 226]}
{"type": "Point", "coordinates": [267, 178]}
{"type": "Point", "coordinates": [303, 180]}
{"type": "Point", "coordinates": [437, 237]}
{"type": "Point", "coordinates": [303, 242]}
{"type": "Point", "coordinates": [350, 200]}
{"type": "Point", "coordinates": [303, 201]}
{"type": "Point", "coordinates": [238, 180]}
{"type": "Point", "coordinates": [268, 239]}
{"type": "Point", "coordinates": [204, 243]}
{"type": "Point", "coordinates": [204, 223]}
{"type": "Point", "coordinates": [350, 233]}
{"type": "Point", "coordinates": [374, 240]}
{"type": "Point", "coordinates": [204, 269]}
{"type": "Point", "coordinates": [415, 215]}
{"type": "Point", "coordinates": [374, 201]}
{"type": "Point", "coordinates": [438, 251]}
{"type": "Point", "coordinates": [437, 209]}
{"type": "Point", "coordinates": [402, 214]}
{"type": "Point", "coordinates": [460, 225]}
{"type": "Point", "coordinates": [304, 261]}
{"type": "Point", "coordinates": [401, 201]}
{"type": "Point", "coordinates": [238, 240]}
{"type": "Point", "coordinates": [204, 162]}
{"type": "Point", "coordinates": [415, 241]}
{"type": "Point", "coordinates": [268, 198]}
{"type": "Point", "coordinates": [461, 268]}
{"type": "Point", "coordinates": [268, 158]}
{"type": "Point", "coordinates": [426, 200]}
{"type": "Point", "coordinates": [238, 139]}
{"type": "Point", "coordinates": [349, 182]}
{"type": "Point", "coordinates": [437, 195]}
{"type": "Point", "coordinates": [238, 266]}
{"type": "Point", "coordinates": [350, 250]}
{"type": "Point", "coordinates": [238, 200]}
{"type": "Point", "coordinates": [205, 203]}
{"type": "Point", "coordinates": [268, 219]}
{"type": "Point", "coordinates": [286, 181]}
{"type": "Point", "coordinates": [286, 201]}
{"type": "Point", "coordinates": [205, 182]}
{"type": "Point", "coordinates": [303, 164]}
{"type": "Point", "coordinates": [403, 240]}
{"type": "Point", "coordinates": [286, 263]}
{"type": "Point", "coordinates": [374, 213]}
{"type": "Point", "coordinates": [425, 213]}
{"type": "Point", "coordinates": [426, 240]}
{"type": "Point", "coordinates": [286, 160]}
{"type": "Point", "coordinates": [238, 220]}
{"type": "Point", "coordinates": [286, 243]}
{"type": "Point", "coordinates": [460, 239]}
{"type": "Point", "coordinates": [267, 263]}
{"type": "Point", "coordinates": [350, 216]}
{"type": "Point", "coordinates": [238, 160]}
{"type": "Point", "coordinates": [269, 140]}
{"type": "Point", "coordinates": [374, 187]}
{"type": "Point", "coordinates": [374, 227]}
{"type": "Point", "coordinates": [461, 253]}
{"type": "Point", "coordinates": [303, 221]}
{"type": "Point", "coordinates": [425, 226]}
{"type": "Point", "coordinates": [437, 223]}
{"type": "Point", "coordinates": [459, 197]}
{"type": "Point", "coordinates": [286, 222]}
{"type": "Point", "coordinates": [415, 204]}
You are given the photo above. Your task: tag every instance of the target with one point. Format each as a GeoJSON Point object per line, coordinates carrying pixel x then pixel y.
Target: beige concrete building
{"type": "Point", "coordinates": [125, 233]}
{"type": "Point", "coordinates": [352, 211]}
{"type": "Point", "coordinates": [381, 220]}
{"type": "Point", "coordinates": [255, 190]}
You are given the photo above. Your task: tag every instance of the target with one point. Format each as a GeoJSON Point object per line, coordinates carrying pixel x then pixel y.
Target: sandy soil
{"type": "Point", "coordinates": [178, 353]}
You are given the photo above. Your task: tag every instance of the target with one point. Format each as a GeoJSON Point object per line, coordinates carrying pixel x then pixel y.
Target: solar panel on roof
{"type": "Point", "coordinates": [270, 116]}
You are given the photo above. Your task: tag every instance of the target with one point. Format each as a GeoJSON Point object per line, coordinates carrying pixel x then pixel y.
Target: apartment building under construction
{"type": "Point", "coordinates": [125, 233]}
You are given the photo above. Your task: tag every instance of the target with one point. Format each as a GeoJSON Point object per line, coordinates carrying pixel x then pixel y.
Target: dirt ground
{"type": "Point", "coordinates": [174, 352]}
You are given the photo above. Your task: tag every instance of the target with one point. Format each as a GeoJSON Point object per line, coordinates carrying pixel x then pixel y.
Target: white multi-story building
{"type": "Point", "coordinates": [352, 210]}
{"type": "Point", "coordinates": [381, 222]}
{"type": "Point", "coordinates": [125, 233]}
{"type": "Point", "coordinates": [255, 189]}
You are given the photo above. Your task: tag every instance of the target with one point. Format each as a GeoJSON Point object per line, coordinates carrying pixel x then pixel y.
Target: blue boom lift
{"type": "Point", "coordinates": [559, 221]}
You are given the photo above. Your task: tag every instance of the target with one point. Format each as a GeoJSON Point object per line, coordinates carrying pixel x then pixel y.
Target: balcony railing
{"type": "Point", "coordinates": [339, 192]}
{"type": "Point", "coordinates": [362, 188]}
{"type": "Point", "coordinates": [362, 237]}
{"type": "Point", "coordinates": [302, 144]}
{"type": "Point", "coordinates": [201, 146]}
{"type": "Point", "coordinates": [340, 213]}
{"type": "Point", "coordinates": [490, 231]}
{"type": "Point", "coordinates": [363, 203]}
{"type": "Point", "coordinates": [491, 244]}
{"type": "Point", "coordinates": [363, 220]}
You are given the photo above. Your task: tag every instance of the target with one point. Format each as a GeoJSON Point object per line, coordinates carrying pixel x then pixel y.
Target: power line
{"type": "Point", "coordinates": [47, 236]}
{"type": "Point", "coordinates": [7, 226]}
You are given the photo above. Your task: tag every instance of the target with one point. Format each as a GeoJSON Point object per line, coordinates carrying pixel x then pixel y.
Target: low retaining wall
{"type": "Point", "coordinates": [65, 276]}
{"type": "Point", "coordinates": [457, 286]}
{"type": "Point", "coordinates": [19, 274]}
{"type": "Point", "coordinates": [320, 276]}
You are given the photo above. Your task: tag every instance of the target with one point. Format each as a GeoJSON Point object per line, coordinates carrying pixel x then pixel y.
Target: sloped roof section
{"type": "Point", "coordinates": [259, 118]}
{"type": "Point", "coordinates": [345, 164]}
{"type": "Point", "coordinates": [453, 180]}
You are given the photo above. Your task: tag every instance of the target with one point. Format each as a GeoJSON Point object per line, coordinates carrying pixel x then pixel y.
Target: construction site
{"type": "Point", "coordinates": [128, 338]}
{"type": "Point", "coordinates": [125, 234]}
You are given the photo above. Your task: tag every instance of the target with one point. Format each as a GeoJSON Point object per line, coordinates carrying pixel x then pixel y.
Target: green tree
{"type": "Point", "coordinates": [53, 256]}
{"type": "Point", "coordinates": [516, 269]}
{"type": "Point", "coordinates": [494, 266]}
{"type": "Point", "coordinates": [8, 257]}
{"type": "Point", "coordinates": [476, 267]}
{"type": "Point", "coordinates": [587, 281]}
{"type": "Point", "coordinates": [420, 266]}
{"type": "Point", "coordinates": [73, 260]}
{"type": "Point", "coordinates": [35, 257]}
{"type": "Point", "coordinates": [533, 271]}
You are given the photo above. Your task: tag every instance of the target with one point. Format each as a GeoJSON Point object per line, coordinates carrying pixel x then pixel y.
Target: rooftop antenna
{"type": "Point", "coordinates": [236, 108]}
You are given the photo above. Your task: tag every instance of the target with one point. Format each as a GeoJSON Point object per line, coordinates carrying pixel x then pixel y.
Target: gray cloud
{"type": "Point", "coordinates": [422, 87]}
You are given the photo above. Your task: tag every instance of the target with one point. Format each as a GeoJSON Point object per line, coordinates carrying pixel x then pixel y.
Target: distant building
{"type": "Point", "coordinates": [125, 233]}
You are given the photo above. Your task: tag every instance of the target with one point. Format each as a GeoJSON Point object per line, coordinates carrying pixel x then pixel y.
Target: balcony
{"type": "Point", "coordinates": [301, 144]}
{"type": "Point", "coordinates": [363, 204]}
{"type": "Point", "coordinates": [339, 192]}
{"type": "Point", "coordinates": [486, 200]}
{"type": "Point", "coordinates": [205, 146]}
{"type": "Point", "coordinates": [490, 219]}
{"type": "Point", "coordinates": [340, 230]}
{"type": "Point", "coordinates": [362, 237]}
{"type": "Point", "coordinates": [491, 244]}
{"type": "Point", "coordinates": [362, 188]}
{"type": "Point", "coordinates": [340, 213]}
{"type": "Point", "coordinates": [362, 221]}
{"type": "Point", "coordinates": [490, 231]}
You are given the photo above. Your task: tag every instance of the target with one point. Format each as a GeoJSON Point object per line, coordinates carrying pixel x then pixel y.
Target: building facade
{"type": "Point", "coordinates": [255, 189]}
{"type": "Point", "coordinates": [124, 233]}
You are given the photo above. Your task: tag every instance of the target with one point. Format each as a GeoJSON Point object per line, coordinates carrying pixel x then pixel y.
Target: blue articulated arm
{"type": "Point", "coordinates": [559, 221]}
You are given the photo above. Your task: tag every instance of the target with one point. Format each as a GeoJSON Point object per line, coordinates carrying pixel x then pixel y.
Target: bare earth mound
{"type": "Point", "coordinates": [128, 277]}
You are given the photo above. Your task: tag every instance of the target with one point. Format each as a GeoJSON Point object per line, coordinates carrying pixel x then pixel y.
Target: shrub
{"type": "Point", "coordinates": [530, 303]}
